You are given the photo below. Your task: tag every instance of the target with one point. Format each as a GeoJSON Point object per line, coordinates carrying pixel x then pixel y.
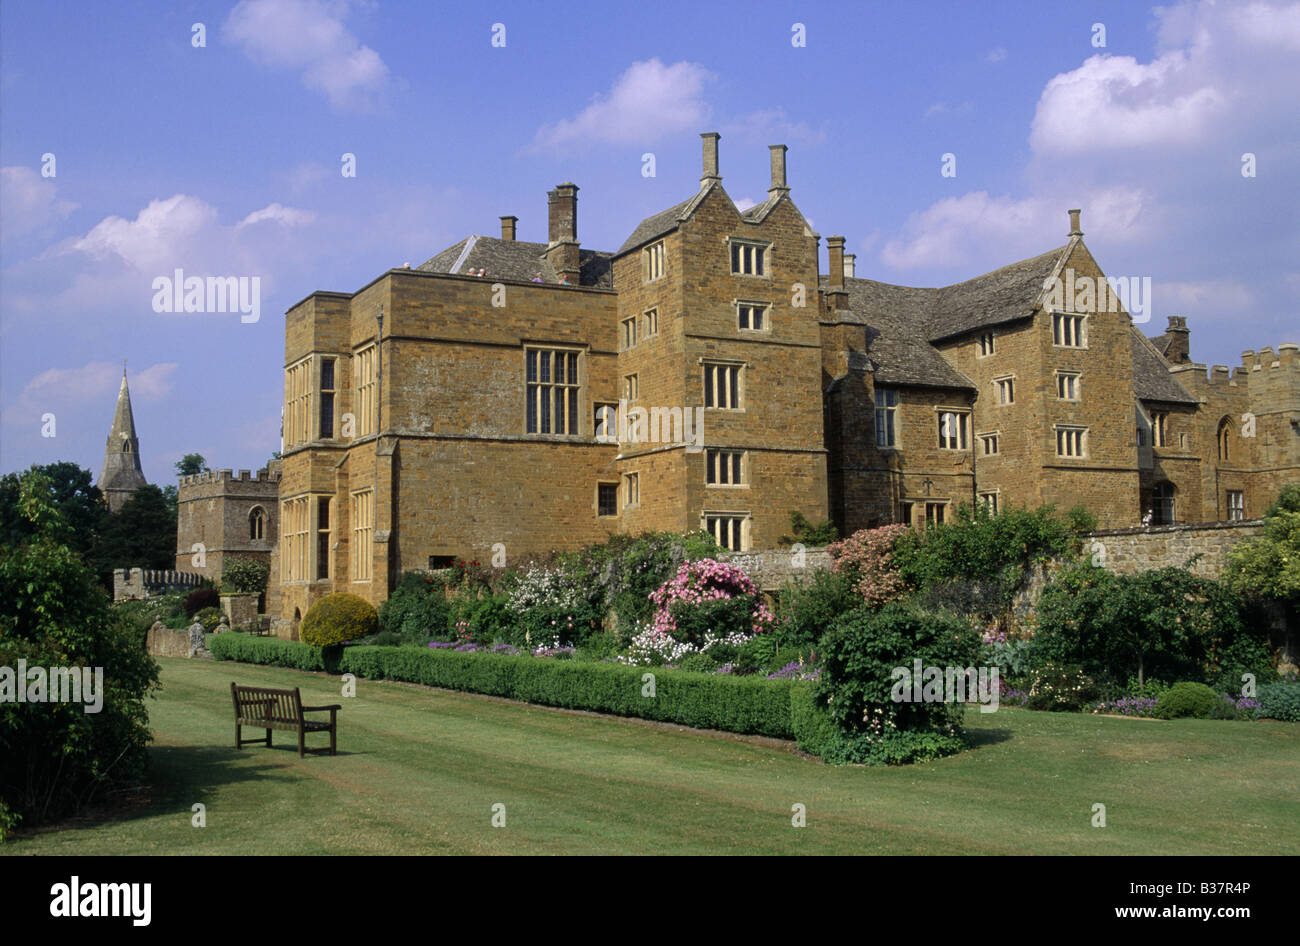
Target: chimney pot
{"type": "Point", "coordinates": [710, 139]}
{"type": "Point", "coordinates": [835, 252]}
{"type": "Point", "coordinates": [850, 265]}
{"type": "Point", "coordinates": [508, 228]}
{"type": "Point", "coordinates": [778, 171]}
{"type": "Point", "coordinates": [1075, 229]}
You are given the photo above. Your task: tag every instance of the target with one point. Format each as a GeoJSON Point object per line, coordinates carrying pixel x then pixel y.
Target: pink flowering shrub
{"type": "Point", "coordinates": [704, 593]}
{"type": "Point", "coordinates": [866, 559]}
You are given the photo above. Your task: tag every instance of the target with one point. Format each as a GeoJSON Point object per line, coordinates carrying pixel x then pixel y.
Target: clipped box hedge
{"type": "Point", "coordinates": [701, 700]}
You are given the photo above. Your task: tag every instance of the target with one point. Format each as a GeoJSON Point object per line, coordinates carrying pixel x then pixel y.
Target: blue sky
{"type": "Point", "coordinates": [225, 160]}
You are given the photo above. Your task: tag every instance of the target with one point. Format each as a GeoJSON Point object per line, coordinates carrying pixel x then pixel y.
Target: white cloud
{"type": "Point", "coordinates": [647, 102]}
{"type": "Point", "coordinates": [160, 232]}
{"type": "Point", "coordinates": [94, 383]}
{"type": "Point", "coordinates": [309, 35]}
{"type": "Point", "coordinates": [1115, 102]}
{"type": "Point", "coordinates": [995, 55]}
{"type": "Point", "coordinates": [963, 231]}
{"type": "Point", "coordinates": [278, 213]}
{"type": "Point", "coordinates": [745, 203]}
{"type": "Point", "coordinates": [29, 202]}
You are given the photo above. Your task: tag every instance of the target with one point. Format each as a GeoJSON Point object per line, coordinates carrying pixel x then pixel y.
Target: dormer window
{"type": "Point", "coordinates": [749, 259]}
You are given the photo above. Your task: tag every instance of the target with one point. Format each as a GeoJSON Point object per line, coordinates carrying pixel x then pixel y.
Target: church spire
{"type": "Point", "coordinates": [122, 474]}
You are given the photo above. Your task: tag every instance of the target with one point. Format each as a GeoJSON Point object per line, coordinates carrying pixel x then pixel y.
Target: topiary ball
{"type": "Point", "coordinates": [337, 618]}
{"type": "Point", "coordinates": [1187, 699]}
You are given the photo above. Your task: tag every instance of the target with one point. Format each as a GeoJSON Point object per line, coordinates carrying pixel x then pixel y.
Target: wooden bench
{"type": "Point", "coordinates": [263, 708]}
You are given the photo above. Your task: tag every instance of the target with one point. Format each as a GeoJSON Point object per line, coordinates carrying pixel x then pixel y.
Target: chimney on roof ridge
{"type": "Point", "coordinates": [1179, 349]}
{"type": "Point", "coordinates": [850, 265]}
{"type": "Point", "coordinates": [1075, 229]}
{"type": "Point", "coordinates": [835, 267]}
{"type": "Point", "coordinates": [710, 139]}
{"type": "Point", "coordinates": [562, 232]}
{"type": "Point", "coordinates": [778, 186]}
{"type": "Point", "coordinates": [508, 228]}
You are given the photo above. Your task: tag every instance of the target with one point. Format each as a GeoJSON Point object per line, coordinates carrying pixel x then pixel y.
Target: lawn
{"type": "Point", "coordinates": [420, 770]}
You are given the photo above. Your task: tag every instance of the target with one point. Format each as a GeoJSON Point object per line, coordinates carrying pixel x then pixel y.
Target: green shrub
{"type": "Point", "coordinates": [824, 533]}
{"type": "Point", "coordinates": [245, 575]}
{"type": "Point", "coordinates": [710, 701]}
{"type": "Point", "coordinates": [804, 611]}
{"type": "Point", "coordinates": [417, 611]}
{"type": "Point", "coordinates": [1061, 688]}
{"type": "Point", "coordinates": [858, 684]}
{"type": "Point", "coordinates": [814, 728]}
{"type": "Point", "coordinates": [56, 757]}
{"type": "Point", "coordinates": [1165, 623]}
{"type": "Point", "coordinates": [1279, 701]}
{"type": "Point", "coordinates": [209, 618]}
{"type": "Point", "coordinates": [1187, 699]}
{"type": "Point", "coordinates": [698, 663]}
{"type": "Point", "coordinates": [337, 618]}
{"type": "Point", "coordinates": [202, 598]}
{"type": "Point", "coordinates": [267, 650]}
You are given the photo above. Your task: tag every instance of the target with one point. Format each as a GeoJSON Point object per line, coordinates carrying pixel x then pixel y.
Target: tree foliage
{"type": "Point", "coordinates": [1268, 566]}
{"type": "Point", "coordinates": [56, 756]}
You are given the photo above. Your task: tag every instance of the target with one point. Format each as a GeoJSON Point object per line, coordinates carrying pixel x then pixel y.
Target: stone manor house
{"type": "Point", "coordinates": [507, 397]}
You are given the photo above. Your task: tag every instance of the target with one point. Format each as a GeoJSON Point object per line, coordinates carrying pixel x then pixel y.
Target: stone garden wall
{"type": "Point", "coordinates": [1139, 549]}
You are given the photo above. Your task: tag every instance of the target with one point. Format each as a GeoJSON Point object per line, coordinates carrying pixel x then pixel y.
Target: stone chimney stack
{"type": "Point", "coordinates": [850, 265]}
{"type": "Point", "coordinates": [778, 187]}
{"type": "Point", "coordinates": [710, 139]}
{"type": "Point", "coordinates": [562, 236]}
{"type": "Point", "coordinates": [508, 228]}
{"type": "Point", "coordinates": [836, 295]}
{"type": "Point", "coordinates": [835, 269]}
{"type": "Point", "coordinates": [1075, 229]}
{"type": "Point", "coordinates": [1178, 352]}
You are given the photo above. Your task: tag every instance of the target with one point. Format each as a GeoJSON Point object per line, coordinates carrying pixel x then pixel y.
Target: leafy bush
{"type": "Point", "coordinates": [417, 611]}
{"type": "Point", "coordinates": [245, 575]}
{"type": "Point", "coordinates": [1268, 565]}
{"type": "Point", "coordinates": [1187, 699]}
{"type": "Point", "coordinates": [1165, 623]}
{"type": "Point", "coordinates": [708, 591]}
{"type": "Point", "coordinates": [337, 618]}
{"type": "Point", "coordinates": [1280, 701]}
{"type": "Point", "coordinates": [976, 563]}
{"type": "Point", "coordinates": [209, 618]}
{"type": "Point", "coordinates": [1060, 688]}
{"type": "Point", "coordinates": [857, 684]}
{"type": "Point", "coordinates": [620, 574]}
{"type": "Point", "coordinates": [865, 559]}
{"type": "Point", "coordinates": [824, 533]}
{"type": "Point", "coordinates": [55, 757]}
{"type": "Point", "coordinates": [483, 615]}
{"type": "Point", "coordinates": [804, 611]}
{"type": "Point", "coordinates": [202, 598]}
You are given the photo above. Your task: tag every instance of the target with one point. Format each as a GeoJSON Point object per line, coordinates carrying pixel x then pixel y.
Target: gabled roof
{"type": "Point", "coordinates": [1151, 378]}
{"type": "Point", "coordinates": [655, 226]}
{"type": "Point", "coordinates": [1004, 295]}
{"type": "Point", "coordinates": [516, 260]}
{"type": "Point", "coordinates": [898, 348]}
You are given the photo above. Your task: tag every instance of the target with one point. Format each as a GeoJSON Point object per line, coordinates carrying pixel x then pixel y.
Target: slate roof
{"type": "Point", "coordinates": [1151, 378]}
{"type": "Point", "coordinates": [1003, 295]}
{"type": "Point", "coordinates": [656, 225]}
{"type": "Point", "coordinates": [515, 260]}
{"type": "Point", "coordinates": [899, 350]}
